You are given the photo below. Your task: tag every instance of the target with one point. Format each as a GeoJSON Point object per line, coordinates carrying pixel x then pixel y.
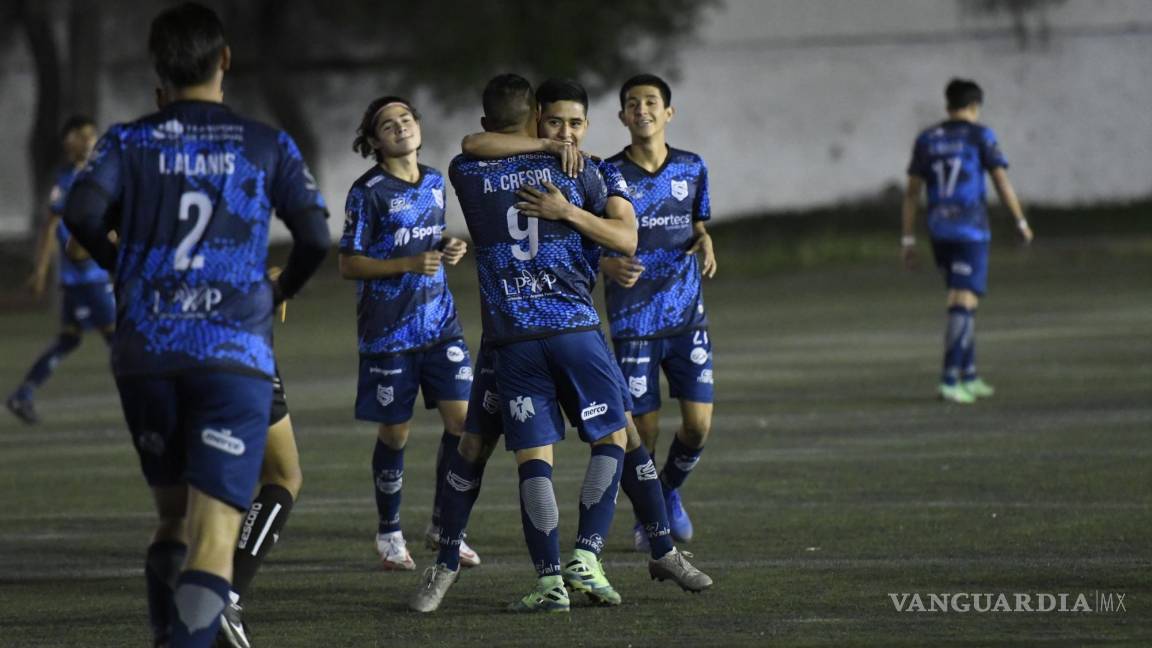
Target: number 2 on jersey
{"type": "Point", "coordinates": [203, 205]}
{"type": "Point", "coordinates": [946, 179]}
{"type": "Point", "coordinates": [530, 232]}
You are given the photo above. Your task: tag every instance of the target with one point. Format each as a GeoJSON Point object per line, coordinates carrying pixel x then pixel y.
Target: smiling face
{"type": "Point", "coordinates": [564, 121]}
{"type": "Point", "coordinates": [645, 113]}
{"type": "Point", "coordinates": [397, 132]}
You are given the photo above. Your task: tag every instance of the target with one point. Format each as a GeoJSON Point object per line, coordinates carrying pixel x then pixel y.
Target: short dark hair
{"type": "Point", "coordinates": [962, 93]}
{"type": "Point", "coordinates": [76, 122]}
{"type": "Point", "coordinates": [367, 127]}
{"type": "Point", "coordinates": [186, 43]}
{"type": "Point", "coordinates": [508, 100]}
{"type": "Point", "coordinates": [553, 90]}
{"type": "Point", "coordinates": [647, 80]}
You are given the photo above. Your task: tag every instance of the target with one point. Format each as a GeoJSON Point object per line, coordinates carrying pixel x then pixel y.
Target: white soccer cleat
{"type": "Point", "coordinates": [433, 586]}
{"type": "Point", "coordinates": [468, 555]}
{"type": "Point", "coordinates": [393, 552]}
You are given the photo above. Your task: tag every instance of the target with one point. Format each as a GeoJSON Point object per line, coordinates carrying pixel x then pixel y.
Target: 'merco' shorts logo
{"type": "Point", "coordinates": [593, 410]}
{"type": "Point", "coordinates": [223, 441]}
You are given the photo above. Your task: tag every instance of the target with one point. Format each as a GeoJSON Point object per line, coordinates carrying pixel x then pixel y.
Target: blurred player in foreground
{"type": "Point", "coordinates": [950, 160]}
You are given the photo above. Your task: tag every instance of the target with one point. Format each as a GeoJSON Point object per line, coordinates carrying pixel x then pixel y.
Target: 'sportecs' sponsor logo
{"type": "Point", "coordinates": [593, 410]}
{"type": "Point", "coordinates": [223, 441]}
{"type": "Point", "coordinates": [674, 220]}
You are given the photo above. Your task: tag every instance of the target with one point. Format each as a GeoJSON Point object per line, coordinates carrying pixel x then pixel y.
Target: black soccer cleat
{"type": "Point", "coordinates": [23, 409]}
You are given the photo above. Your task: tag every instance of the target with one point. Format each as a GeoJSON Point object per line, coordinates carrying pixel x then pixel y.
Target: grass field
{"type": "Point", "coordinates": [833, 477]}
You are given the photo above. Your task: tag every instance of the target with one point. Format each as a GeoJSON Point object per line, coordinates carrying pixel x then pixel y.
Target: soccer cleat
{"type": "Point", "coordinates": [955, 394]}
{"type": "Point", "coordinates": [468, 555]}
{"type": "Point", "coordinates": [433, 586]}
{"type": "Point", "coordinates": [674, 566]}
{"type": "Point", "coordinates": [585, 573]}
{"type": "Point", "coordinates": [22, 408]}
{"type": "Point", "coordinates": [393, 552]}
{"type": "Point", "coordinates": [678, 518]}
{"type": "Point", "coordinates": [640, 538]}
{"type": "Point", "coordinates": [549, 596]}
{"type": "Point", "coordinates": [233, 632]}
{"type": "Point", "coordinates": [978, 388]}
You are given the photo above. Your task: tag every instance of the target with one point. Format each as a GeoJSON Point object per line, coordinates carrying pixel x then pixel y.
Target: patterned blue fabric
{"type": "Point", "coordinates": [536, 275]}
{"type": "Point", "coordinates": [386, 218]}
{"type": "Point", "coordinates": [196, 185]}
{"type": "Point", "coordinates": [667, 298]}
{"type": "Point", "coordinates": [952, 157]}
{"type": "Point", "coordinates": [72, 273]}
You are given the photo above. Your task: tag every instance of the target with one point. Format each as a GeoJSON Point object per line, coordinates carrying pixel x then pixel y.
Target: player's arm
{"type": "Point", "coordinates": [86, 215]}
{"type": "Point", "coordinates": [358, 266]}
{"type": "Point", "coordinates": [616, 230]}
{"type": "Point", "coordinates": [908, 211]}
{"type": "Point", "coordinates": [76, 252]}
{"type": "Point", "coordinates": [488, 146]}
{"type": "Point", "coordinates": [45, 247]}
{"type": "Point", "coordinates": [453, 248]}
{"type": "Point", "coordinates": [702, 245]}
{"type": "Point", "coordinates": [1008, 196]}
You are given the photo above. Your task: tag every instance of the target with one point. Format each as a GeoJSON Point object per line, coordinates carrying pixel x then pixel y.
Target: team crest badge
{"type": "Point", "coordinates": [384, 395]}
{"type": "Point", "coordinates": [679, 189]}
{"type": "Point", "coordinates": [637, 385]}
{"type": "Point", "coordinates": [438, 196]}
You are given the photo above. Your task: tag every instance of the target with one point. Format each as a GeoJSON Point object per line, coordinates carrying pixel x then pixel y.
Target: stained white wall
{"type": "Point", "coordinates": [801, 103]}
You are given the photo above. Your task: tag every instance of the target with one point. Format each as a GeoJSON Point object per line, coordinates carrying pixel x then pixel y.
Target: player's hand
{"type": "Point", "coordinates": [550, 204]}
{"type": "Point", "coordinates": [454, 249]}
{"type": "Point", "coordinates": [1025, 231]}
{"type": "Point", "coordinates": [273, 275]}
{"type": "Point", "coordinates": [623, 270]}
{"type": "Point", "coordinates": [37, 282]}
{"type": "Point", "coordinates": [703, 247]}
{"type": "Point", "coordinates": [427, 263]}
{"type": "Point", "coordinates": [571, 160]}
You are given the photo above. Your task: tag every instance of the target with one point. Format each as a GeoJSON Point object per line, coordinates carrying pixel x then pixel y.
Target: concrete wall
{"type": "Point", "coordinates": [800, 103]}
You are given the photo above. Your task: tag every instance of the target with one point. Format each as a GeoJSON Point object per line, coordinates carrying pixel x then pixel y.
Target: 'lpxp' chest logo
{"type": "Point", "coordinates": [679, 189]}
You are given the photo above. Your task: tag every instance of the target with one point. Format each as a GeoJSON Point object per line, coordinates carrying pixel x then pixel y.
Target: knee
{"type": "Point", "coordinates": [393, 436]}
{"type": "Point", "coordinates": [476, 449]}
{"type": "Point", "coordinates": [170, 529]}
{"type": "Point", "coordinates": [288, 476]}
{"type": "Point", "coordinates": [695, 433]}
{"type": "Point", "coordinates": [633, 441]}
{"type": "Point", "coordinates": [454, 426]}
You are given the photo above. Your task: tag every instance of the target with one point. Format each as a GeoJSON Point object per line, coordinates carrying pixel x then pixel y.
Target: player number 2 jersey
{"type": "Point", "coordinates": [196, 185]}
{"type": "Point", "coordinates": [386, 218]}
{"type": "Point", "coordinates": [952, 158]}
{"type": "Point", "coordinates": [536, 275]}
{"type": "Point", "coordinates": [667, 298]}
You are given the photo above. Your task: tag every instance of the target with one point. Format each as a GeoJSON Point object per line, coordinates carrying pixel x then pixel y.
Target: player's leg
{"type": "Point", "coordinates": [446, 381]}
{"type": "Point", "coordinates": [532, 422]}
{"type": "Point", "coordinates": [957, 328]}
{"type": "Point", "coordinates": [165, 559]}
{"type": "Point", "coordinates": [975, 284]}
{"type": "Point", "coordinates": [226, 424]}
{"type": "Point", "coordinates": [385, 395]}
{"type": "Point", "coordinates": [639, 361]}
{"type": "Point", "coordinates": [281, 479]}
{"type": "Point", "coordinates": [21, 402]}
{"type": "Point", "coordinates": [688, 367]}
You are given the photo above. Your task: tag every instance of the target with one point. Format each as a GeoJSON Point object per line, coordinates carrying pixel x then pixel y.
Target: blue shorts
{"type": "Point", "coordinates": [386, 392]}
{"type": "Point", "coordinates": [687, 362]}
{"type": "Point", "coordinates": [541, 381]}
{"type": "Point", "coordinates": [963, 263]}
{"type": "Point", "coordinates": [207, 430]}
{"type": "Point", "coordinates": [88, 306]}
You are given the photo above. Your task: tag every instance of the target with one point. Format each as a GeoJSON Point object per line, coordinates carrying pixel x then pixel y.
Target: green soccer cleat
{"type": "Point", "coordinates": [549, 596]}
{"type": "Point", "coordinates": [955, 394]}
{"type": "Point", "coordinates": [585, 573]}
{"type": "Point", "coordinates": [978, 388]}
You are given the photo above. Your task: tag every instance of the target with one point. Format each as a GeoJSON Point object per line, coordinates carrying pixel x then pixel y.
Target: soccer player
{"type": "Point", "coordinates": [87, 290]}
{"type": "Point", "coordinates": [190, 190]}
{"type": "Point", "coordinates": [530, 224]}
{"type": "Point", "coordinates": [950, 160]}
{"type": "Point", "coordinates": [563, 124]}
{"type": "Point", "coordinates": [394, 246]}
{"type": "Point", "coordinates": [654, 299]}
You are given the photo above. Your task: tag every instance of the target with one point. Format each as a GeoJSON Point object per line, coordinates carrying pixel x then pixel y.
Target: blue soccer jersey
{"type": "Point", "coordinates": [667, 298]}
{"type": "Point", "coordinates": [952, 157]}
{"type": "Point", "coordinates": [72, 273]}
{"type": "Point", "coordinates": [387, 218]}
{"type": "Point", "coordinates": [196, 185]}
{"type": "Point", "coordinates": [536, 275]}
